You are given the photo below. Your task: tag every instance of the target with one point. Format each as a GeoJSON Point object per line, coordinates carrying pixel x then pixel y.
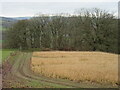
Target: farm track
{"type": "Point", "coordinates": [20, 72]}
{"type": "Point", "coordinates": [23, 71]}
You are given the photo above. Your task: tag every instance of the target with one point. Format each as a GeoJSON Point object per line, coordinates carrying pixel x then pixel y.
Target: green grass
{"type": "Point", "coordinates": [1, 41]}
{"type": "Point", "coordinates": [2, 28]}
{"type": "Point", "coordinates": [6, 53]}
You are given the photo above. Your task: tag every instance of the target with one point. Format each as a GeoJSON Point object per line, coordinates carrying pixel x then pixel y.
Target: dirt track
{"type": "Point", "coordinates": [19, 75]}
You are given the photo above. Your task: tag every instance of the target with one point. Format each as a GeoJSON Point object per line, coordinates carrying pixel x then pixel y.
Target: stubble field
{"type": "Point", "coordinates": [77, 66]}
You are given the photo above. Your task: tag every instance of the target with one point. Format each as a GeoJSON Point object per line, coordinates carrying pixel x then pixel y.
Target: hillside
{"type": "Point", "coordinates": [6, 22]}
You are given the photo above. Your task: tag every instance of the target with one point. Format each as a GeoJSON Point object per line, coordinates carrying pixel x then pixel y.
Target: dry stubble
{"type": "Point", "coordinates": [77, 66]}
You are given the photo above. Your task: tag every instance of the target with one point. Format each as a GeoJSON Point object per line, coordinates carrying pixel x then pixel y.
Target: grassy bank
{"type": "Point", "coordinates": [6, 53]}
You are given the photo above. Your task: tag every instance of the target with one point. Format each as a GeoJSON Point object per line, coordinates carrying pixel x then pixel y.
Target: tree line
{"type": "Point", "coordinates": [88, 30]}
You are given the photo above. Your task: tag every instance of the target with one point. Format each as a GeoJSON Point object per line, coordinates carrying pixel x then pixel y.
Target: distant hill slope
{"type": "Point", "coordinates": [22, 18]}
{"type": "Point", "coordinates": [7, 19]}
{"type": "Point", "coordinates": [6, 22]}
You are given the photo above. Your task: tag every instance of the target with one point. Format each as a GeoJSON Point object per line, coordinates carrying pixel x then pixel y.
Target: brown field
{"type": "Point", "coordinates": [77, 66]}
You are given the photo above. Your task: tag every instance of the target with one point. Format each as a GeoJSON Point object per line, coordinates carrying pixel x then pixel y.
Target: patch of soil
{"type": "Point", "coordinates": [6, 68]}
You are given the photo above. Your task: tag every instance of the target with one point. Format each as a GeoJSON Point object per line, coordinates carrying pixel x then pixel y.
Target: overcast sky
{"type": "Point", "coordinates": [18, 8]}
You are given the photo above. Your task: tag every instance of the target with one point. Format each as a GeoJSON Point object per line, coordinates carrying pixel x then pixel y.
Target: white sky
{"type": "Point", "coordinates": [20, 8]}
{"type": "Point", "coordinates": [59, 0]}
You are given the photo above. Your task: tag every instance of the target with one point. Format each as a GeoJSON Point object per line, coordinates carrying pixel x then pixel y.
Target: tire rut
{"type": "Point", "coordinates": [22, 71]}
